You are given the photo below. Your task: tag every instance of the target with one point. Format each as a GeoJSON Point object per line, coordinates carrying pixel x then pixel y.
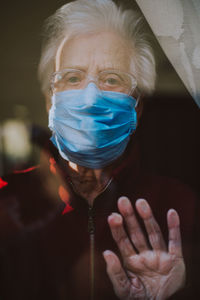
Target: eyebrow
{"type": "Point", "coordinates": [84, 69]}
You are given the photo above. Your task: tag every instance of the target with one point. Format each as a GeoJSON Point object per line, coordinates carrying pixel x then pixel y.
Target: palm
{"type": "Point", "coordinates": [148, 273]}
{"type": "Point", "coordinates": [151, 267]}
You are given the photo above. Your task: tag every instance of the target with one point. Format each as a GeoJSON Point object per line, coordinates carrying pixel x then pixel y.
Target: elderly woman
{"type": "Point", "coordinates": [95, 66]}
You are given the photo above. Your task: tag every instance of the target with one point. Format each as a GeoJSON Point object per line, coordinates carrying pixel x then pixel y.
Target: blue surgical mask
{"type": "Point", "coordinates": [91, 127]}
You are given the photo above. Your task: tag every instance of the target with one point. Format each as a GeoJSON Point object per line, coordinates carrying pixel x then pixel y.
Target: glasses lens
{"type": "Point", "coordinates": [67, 80]}
{"type": "Point", "coordinates": [116, 81]}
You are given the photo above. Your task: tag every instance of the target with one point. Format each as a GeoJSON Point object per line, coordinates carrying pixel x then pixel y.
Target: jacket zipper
{"type": "Point", "coordinates": [91, 230]}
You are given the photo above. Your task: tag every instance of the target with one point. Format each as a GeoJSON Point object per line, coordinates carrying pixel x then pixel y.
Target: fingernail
{"type": "Point", "coordinates": [173, 215]}
{"type": "Point", "coordinates": [108, 256]}
{"type": "Point", "coordinates": [116, 217]}
{"type": "Point", "coordinates": [143, 205]}
{"type": "Point", "coordinates": [106, 253]}
{"type": "Point", "coordinates": [124, 201]}
{"type": "Point", "coordinates": [174, 220]}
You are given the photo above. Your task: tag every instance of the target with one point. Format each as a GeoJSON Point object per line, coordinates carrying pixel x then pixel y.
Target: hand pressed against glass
{"type": "Point", "coordinates": [155, 273]}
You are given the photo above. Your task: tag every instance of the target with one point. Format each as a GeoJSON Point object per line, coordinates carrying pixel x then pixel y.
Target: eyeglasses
{"type": "Point", "coordinates": [108, 80]}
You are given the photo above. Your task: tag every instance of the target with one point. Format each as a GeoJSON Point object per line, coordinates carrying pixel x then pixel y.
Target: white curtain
{"type": "Point", "coordinates": [176, 24]}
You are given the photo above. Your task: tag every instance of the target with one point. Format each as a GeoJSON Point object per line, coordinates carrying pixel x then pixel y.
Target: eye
{"type": "Point", "coordinates": [112, 81]}
{"type": "Point", "coordinates": [73, 79]}
{"type": "Point", "coordinates": [68, 79]}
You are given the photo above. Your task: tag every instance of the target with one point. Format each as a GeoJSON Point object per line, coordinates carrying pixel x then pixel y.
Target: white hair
{"type": "Point", "coordinates": [90, 16]}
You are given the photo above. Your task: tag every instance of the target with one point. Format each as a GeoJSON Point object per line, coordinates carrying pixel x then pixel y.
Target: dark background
{"type": "Point", "coordinates": [169, 132]}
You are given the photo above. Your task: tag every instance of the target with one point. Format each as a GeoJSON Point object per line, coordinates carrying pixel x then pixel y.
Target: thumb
{"type": "Point", "coordinates": [117, 275]}
{"type": "Point", "coordinates": [125, 287]}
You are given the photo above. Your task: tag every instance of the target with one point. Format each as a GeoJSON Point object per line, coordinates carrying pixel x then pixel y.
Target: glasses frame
{"type": "Point", "coordinates": [93, 78]}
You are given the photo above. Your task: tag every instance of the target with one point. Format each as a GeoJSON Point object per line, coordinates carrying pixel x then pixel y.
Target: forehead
{"type": "Point", "coordinates": [104, 50]}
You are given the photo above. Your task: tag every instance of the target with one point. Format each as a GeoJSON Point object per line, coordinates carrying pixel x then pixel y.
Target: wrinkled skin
{"type": "Point", "coordinates": [145, 273]}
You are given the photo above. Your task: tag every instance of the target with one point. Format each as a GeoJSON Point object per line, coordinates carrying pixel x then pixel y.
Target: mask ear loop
{"type": "Point", "coordinates": [137, 100]}
{"type": "Point", "coordinates": [137, 96]}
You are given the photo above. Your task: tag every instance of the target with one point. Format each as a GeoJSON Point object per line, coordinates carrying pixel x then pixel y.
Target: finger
{"type": "Point", "coordinates": [153, 229]}
{"type": "Point", "coordinates": [173, 221]}
{"type": "Point", "coordinates": [119, 235]}
{"type": "Point", "coordinates": [134, 229]}
{"type": "Point", "coordinates": [121, 283]}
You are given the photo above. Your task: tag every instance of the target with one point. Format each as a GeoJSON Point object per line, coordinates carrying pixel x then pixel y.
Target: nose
{"type": "Point", "coordinates": [91, 79]}
{"type": "Point", "coordinates": [91, 93]}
